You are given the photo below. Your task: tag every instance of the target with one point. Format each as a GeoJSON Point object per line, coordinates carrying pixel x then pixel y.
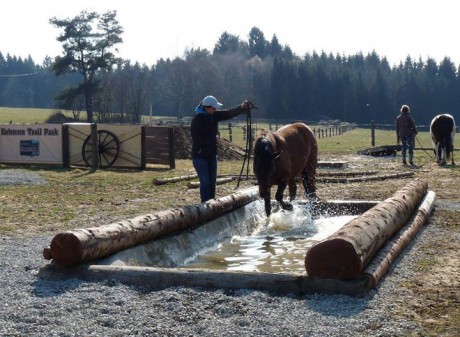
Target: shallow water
{"type": "Point", "coordinates": [278, 244]}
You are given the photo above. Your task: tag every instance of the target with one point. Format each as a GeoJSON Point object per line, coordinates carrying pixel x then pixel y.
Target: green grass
{"type": "Point", "coordinates": [24, 115]}
{"type": "Point", "coordinates": [360, 139]}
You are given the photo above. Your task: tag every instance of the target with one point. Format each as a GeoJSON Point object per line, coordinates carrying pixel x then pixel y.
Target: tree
{"type": "Point", "coordinates": [88, 43]}
{"type": "Point", "coordinates": [257, 44]}
{"type": "Point", "coordinates": [227, 43]}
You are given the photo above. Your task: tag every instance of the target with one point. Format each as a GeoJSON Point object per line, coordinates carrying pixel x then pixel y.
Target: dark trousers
{"type": "Point", "coordinates": [206, 168]}
{"type": "Point", "coordinates": [407, 145]}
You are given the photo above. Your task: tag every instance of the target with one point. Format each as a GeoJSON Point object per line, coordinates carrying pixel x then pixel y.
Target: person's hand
{"type": "Point", "coordinates": [415, 132]}
{"type": "Point", "coordinates": [246, 105]}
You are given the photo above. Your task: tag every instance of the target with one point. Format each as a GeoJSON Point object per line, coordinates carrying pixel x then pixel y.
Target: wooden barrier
{"type": "Point", "coordinates": [346, 253]}
{"type": "Point", "coordinates": [387, 255]}
{"type": "Point", "coordinates": [159, 146]}
{"type": "Point", "coordinates": [82, 245]}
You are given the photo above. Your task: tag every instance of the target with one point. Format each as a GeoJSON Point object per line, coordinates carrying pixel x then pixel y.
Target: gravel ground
{"type": "Point", "coordinates": [35, 307]}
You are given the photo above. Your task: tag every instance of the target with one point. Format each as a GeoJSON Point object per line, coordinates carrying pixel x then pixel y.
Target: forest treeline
{"type": "Point", "coordinates": [316, 86]}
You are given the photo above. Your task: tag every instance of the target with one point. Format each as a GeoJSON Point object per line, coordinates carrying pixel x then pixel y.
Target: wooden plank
{"type": "Point", "coordinates": [161, 278]}
{"type": "Point", "coordinates": [158, 156]}
{"type": "Point", "coordinates": [156, 131]}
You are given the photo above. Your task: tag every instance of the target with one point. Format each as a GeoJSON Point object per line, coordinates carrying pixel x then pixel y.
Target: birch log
{"type": "Point", "coordinates": [347, 252]}
{"type": "Point", "coordinates": [82, 245]}
{"type": "Point", "coordinates": [219, 181]}
{"type": "Point", "coordinates": [160, 181]}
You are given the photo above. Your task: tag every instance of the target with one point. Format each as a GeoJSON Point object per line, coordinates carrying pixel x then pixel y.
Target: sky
{"type": "Point", "coordinates": [166, 28]}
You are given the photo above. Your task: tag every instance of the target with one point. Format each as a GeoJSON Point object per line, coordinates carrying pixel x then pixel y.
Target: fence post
{"type": "Point", "coordinates": [65, 146]}
{"type": "Point", "coordinates": [230, 135]}
{"type": "Point", "coordinates": [94, 148]}
{"type": "Point", "coordinates": [372, 132]}
{"type": "Point", "coordinates": [172, 157]}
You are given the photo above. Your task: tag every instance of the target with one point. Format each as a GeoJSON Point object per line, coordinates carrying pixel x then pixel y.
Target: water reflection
{"type": "Point", "coordinates": [278, 244]}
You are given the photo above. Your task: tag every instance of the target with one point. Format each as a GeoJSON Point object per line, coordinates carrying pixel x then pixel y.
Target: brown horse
{"type": "Point", "coordinates": [282, 156]}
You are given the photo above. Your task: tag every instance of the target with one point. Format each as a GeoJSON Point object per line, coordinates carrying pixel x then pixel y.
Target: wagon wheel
{"type": "Point", "coordinates": [109, 148]}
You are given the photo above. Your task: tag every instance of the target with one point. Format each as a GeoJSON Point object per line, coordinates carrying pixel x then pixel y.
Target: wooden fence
{"type": "Point", "coordinates": [319, 132]}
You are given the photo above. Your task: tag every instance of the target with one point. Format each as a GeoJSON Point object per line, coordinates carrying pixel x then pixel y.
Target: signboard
{"type": "Point", "coordinates": [31, 143]}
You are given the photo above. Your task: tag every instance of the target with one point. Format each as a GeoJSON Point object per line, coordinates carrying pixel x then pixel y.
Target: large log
{"type": "Point", "coordinates": [346, 253]}
{"type": "Point", "coordinates": [219, 181]}
{"type": "Point", "coordinates": [82, 245]}
{"type": "Point", "coordinates": [382, 261]}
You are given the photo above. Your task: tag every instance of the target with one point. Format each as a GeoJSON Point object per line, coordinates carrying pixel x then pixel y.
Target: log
{"type": "Point", "coordinates": [219, 181]}
{"type": "Point", "coordinates": [364, 179]}
{"type": "Point", "coordinates": [345, 174]}
{"type": "Point", "coordinates": [332, 164]}
{"type": "Point", "coordinates": [382, 261]}
{"type": "Point", "coordinates": [160, 181]}
{"type": "Point", "coordinates": [82, 245]}
{"type": "Point", "coordinates": [346, 253]}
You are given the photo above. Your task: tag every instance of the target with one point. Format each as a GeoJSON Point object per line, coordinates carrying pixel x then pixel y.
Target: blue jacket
{"type": "Point", "coordinates": [204, 130]}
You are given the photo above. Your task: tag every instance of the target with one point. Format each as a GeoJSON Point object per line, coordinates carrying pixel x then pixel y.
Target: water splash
{"type": "Point", "coordinates": [278, 244]}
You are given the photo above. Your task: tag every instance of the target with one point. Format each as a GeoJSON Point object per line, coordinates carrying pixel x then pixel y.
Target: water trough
{"type": "Point", "coordinates": [168, 248]}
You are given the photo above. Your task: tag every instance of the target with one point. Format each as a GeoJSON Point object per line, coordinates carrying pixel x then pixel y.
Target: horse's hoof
{"type": "Point", "coordinates": [287, 207]}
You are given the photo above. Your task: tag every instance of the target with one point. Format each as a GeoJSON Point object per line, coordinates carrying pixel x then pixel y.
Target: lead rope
{"type": "Point", "coordinates": [429, 154]}
{"type": "Point", "coordinates": [247, 150]}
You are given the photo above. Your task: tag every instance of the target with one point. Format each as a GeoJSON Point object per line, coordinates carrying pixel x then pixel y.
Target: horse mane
{"type": "Point", "coordinates": [263, 147]}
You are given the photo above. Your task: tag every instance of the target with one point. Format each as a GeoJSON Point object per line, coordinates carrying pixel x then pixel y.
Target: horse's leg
{"type": "Point", "coordinates": [265, 193]}
{"type": "Point", "coordinates": [309, 180]}
{"type": "Point", "coordinates": [268, 206]}
{"type": "Point", "coordinates": [292, 189]}
{"type": "Point", "coordinates": [279, 196]}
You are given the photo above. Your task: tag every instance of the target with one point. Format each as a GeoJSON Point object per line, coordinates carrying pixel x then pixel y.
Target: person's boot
{"type": "Point", "coordinates": [404, 160]}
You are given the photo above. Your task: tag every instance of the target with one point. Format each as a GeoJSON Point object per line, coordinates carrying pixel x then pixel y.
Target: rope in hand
{"type": "Point", "coordinates": [421, 146]}
{"type": "Point", "coordinates": [247, 150]}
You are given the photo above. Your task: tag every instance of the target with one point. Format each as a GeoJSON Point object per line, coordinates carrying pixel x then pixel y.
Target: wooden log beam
{"type": "Point", "coordinates": [161, 278]}
{"type": "Point", "coordinates": [382, 261]}
{"type": "Point", "coordinates": [364, 179]}
{"type": "Point", "coordinates": [82, 245]}
{"type": "Point", "coordinates": [163, 181]}
{"type": "Point", "coordinates": [348, 251]}
{"type": "Point", "coordinates": [219, 181]}
{"type": "Point", "coordinates": [345, 174]}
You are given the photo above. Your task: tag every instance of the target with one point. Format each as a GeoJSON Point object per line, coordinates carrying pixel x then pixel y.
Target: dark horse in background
{"type": "Point", "coordinates": [282, 156]}
{"type": "Point", "coordinates": [442, 131]}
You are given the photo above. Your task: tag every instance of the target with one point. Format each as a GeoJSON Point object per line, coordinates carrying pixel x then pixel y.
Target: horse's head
{"type": "Point", "coordinates": [264, 167]}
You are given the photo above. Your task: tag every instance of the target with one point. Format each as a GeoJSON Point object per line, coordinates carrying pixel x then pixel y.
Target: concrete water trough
{"type": "Point", "coordinates": [184, 246]}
